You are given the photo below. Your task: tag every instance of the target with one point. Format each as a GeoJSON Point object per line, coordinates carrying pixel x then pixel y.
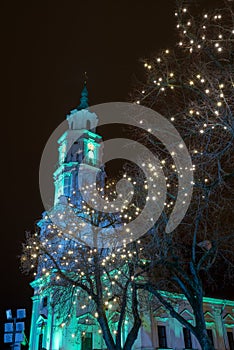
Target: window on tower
{"type": "Point", "coordinates": [44, 302]}
{"type": "Point", "coordinates": [67, 185]}
{"type": "Point", "coordinates": [88, 125]}
{"type": "Point", "coordinates": [40, 342]}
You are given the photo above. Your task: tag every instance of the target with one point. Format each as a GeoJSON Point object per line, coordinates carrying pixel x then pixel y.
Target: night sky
{"type": "Point", "coordinates": [46, 48]}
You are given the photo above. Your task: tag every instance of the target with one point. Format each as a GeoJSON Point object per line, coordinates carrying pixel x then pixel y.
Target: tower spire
{"type": "Point", "coordinates": [84, 95]}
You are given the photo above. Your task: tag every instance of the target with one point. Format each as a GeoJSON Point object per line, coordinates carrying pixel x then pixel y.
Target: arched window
{"type": "Point", "coordinates": [44, 302]}
{"type": "Point", "coordinates": [88, 125]}
{"type": "Point", "coordinates": [67, 186]}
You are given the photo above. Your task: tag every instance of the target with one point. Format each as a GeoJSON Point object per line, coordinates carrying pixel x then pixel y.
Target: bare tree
{"type": "Point", "coordinates": [192, 86]}
{"type": "Point", "coordinates": [69, 255]}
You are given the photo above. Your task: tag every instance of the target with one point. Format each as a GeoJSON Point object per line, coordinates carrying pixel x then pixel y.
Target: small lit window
{"type": "Point", "coordinates": [44, 301]}
{"type": "Point", "coordinates": [87, 341]}
{"type": "Point", "coordinates": [40, 342]}
{"type": "Point", "coordinates": [210, 335]}
{"type": "Point", "coordinates": [230, 340]}
{"type": "Point", "coordinates": [162, 337]}
{"type": "Point", "coordinates": [187, 339]}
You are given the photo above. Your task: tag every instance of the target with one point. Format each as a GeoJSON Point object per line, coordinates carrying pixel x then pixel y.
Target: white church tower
{"type": "Point", "coordinates": [79, 146]}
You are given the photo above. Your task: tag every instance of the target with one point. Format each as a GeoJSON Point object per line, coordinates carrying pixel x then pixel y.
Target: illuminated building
{"type": "Point", "coordinates": [82, 331]}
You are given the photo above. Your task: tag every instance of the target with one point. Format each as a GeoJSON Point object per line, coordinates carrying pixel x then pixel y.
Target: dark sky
{"type": "Point", "coordinates": [46, 47]}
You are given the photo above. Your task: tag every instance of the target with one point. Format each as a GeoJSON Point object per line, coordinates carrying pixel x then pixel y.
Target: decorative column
{"type": "Point", "coordinates": [33, 341]}
{"type": "Point", "coordinates": [219, 327]}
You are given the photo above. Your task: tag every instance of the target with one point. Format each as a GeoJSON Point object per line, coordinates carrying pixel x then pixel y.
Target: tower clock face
{"type": "Point", "coordinates": [91, 151]}
{"type": "Point", "coordinates": [90, 146]}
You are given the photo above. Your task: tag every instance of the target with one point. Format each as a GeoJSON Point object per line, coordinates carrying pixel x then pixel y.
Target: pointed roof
{"type": "Point", "coordinates": [84, 96]}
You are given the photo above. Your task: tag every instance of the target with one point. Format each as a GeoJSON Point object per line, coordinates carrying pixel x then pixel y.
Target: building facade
{"type": "Point", "coordinates": [82, 332]}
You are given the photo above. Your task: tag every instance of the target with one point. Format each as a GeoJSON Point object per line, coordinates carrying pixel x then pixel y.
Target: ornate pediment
{"type": "Point", "coordinates": [87, 319]}
{"type": "Point", "coordinates": [228, 319]}
{"type": "Point", "coordinates": [42, 320]}
{"type": "Point", "coordinates": [187, 314]}
{"type": "Point", "coordinates": [161, 312]}
{"type": "Point", "coordinates": [209, 317]}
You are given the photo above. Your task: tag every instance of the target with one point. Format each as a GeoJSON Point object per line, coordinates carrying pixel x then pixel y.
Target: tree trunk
{"type": "Point", "coordinates": [132, 335]}
{"type": "Point", "coordinates": [206, 344]}
{"type": "Point", "coordinates": [107, 336]}
{"type": "Point", "coordinates": [204, 340]}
